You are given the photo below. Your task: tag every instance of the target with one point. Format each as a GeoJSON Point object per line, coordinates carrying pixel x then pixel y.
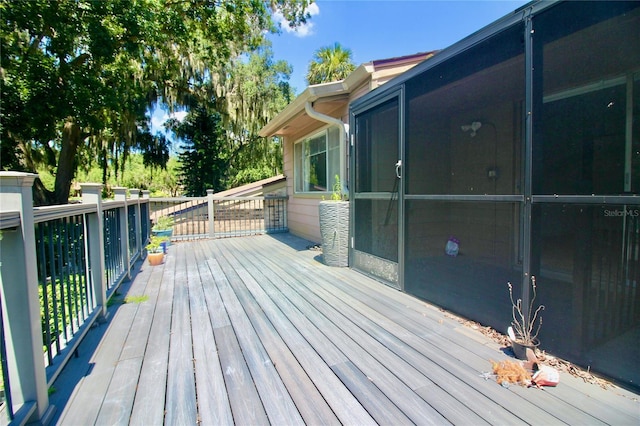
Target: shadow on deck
{"type": "Point", "coordinates": [257, 331]}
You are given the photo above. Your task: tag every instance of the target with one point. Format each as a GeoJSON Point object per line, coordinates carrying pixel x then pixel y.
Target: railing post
{"type": "Point", "coordinates": [120, 194]}
{"type": "Point", "coordinates": [20, 299]}
{"type": "Point", "coordinates": [211, 213]}
{"type": "Point", "coordinates": [92, 194]}
{"type": "Point", "coordinates": [145, 196]}
{"type": "Point", "coordinates": [134, 195]}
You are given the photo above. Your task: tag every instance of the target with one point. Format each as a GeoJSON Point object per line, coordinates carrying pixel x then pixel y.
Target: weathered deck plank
{"type": "Point", "coordinates": [246, 405]}
{"type": "Point", "coordinates": [273, 394]}
{"type": "Point", "coordinates": [149, 402]}
{"type": "Point", "coordinates": [257, 331]}
{"type": "Point", "coordinates": [442, 400]}
{"type": "Point", "coordinates": [282, 315]}
{"type": "Point", "coordinates": [86, 405]}
{"type": "Point", "coordinates": [181, 407]}
{"type": "Point", "coordinates": [213, 405]}
{"type": "Point", "coordinates": [397, 385]}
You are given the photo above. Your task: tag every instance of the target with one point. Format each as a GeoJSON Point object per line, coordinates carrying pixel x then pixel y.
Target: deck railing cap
{"type": "Point", "coordinates": [91, 187]}
{"type": "Point", "coordinates": [120, 193]}
{"type": "Point", "coordinates": [134, 193]}
{"type": "Point", "coordinates": [10, 178]}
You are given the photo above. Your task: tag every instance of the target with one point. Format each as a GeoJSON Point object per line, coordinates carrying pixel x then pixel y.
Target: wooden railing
{"type": "Point", "coordinates": [59, 266]}
{"type": "Point", "coordinates": [222, 217]}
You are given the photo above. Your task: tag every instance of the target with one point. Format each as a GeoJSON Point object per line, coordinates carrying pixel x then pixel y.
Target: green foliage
{"type": "Point", "coordinates": [204, 157]}
{"type": "Point", "coordinates": [221, 146]}
{"type": "Point", "coordinates": [155, 244]}
{"type": "Point", "coordinates": [78, 77]}
{"type": "Point", "coordinates": [63, 298]}
{"type": "Point", "coordinates": [113, 301]}
{"type": "Point", "coordinates": [162, 182]}
{"type": "Point", "coordinates": [330, 63]}
{"type": "Point", "coordinates": [163, 223]}
{"type": "Point", "coordinates": [337, 194]}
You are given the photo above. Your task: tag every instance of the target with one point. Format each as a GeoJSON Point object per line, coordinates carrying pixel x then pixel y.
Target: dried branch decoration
{"type": "Point", "coordinates": [524, 325]}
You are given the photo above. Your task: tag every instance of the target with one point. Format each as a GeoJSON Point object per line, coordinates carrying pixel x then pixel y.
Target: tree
{"type": "Point", "coordinates": [222, 147]}
{"type": "Point", "coordinates": [204, 158]}
{"type": "Point", "coordinates": [255, 90]}
{"type": "Point", "coordinates": [330, 63]}
{"type": "Point", "coordinates": [78, 76]}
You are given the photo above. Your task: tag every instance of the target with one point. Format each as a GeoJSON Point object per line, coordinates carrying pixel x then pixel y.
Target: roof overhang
{"type": "Point", "coordinates": [328, 98]}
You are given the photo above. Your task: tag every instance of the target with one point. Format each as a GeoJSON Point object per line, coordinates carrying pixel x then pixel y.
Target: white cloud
{"type": "Point", "coordinates": [159, 117]}
{"type": "Point", "coordinates": [157, 120]}
{"type": "Point", "coordinates": [179, 115]}
{"type": "Point", "coordinates": [303, 30]}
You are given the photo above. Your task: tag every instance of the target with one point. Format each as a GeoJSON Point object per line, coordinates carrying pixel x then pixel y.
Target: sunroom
{"type": "Point", "coordinates": [519, 147]}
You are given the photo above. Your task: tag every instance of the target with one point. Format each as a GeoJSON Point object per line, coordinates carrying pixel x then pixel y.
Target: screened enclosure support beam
{"type": "Point", "coordinates": [528, 159]}
{"type": "Point", "coordinates": [628, 135]}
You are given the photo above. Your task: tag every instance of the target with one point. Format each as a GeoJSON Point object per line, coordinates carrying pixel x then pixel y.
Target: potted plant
{"type": "Point", "coordinates": [163, 228]}
{"type": "Point", "coordinates": [334, 227]}
{"type": "Point", "coordinates": [525, 326]}
{"type": "Point", "coordinates": [155, 251]}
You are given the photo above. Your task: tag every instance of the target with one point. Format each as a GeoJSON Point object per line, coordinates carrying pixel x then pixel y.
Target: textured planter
{"type": "Point", "coordinates": [155, 258]}
{"type": "Point", "coordinates": [334, 230]}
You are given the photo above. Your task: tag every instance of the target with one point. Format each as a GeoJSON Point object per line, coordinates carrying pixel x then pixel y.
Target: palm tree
{"type": "Point", "coordinates": [330, 63]}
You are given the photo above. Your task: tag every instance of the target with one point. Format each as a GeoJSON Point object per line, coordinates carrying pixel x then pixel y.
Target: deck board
{"type": "Point", "coordinates": [213, 406]}
{"type": "Point", "coordinates": [275, 398]}
{"type": "Point", "coordinates": [181, 393]}
{"type": "Point", "coordinates": [281, 314]}
{"type": "Point", "coordinates": [148, 407]}
{"type": "Point", "coordinates": [256, 330]}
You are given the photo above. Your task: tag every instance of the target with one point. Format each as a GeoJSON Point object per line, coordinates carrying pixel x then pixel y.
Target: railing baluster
{"type": "Point", "coordinates": [53, 278]}
{"type": "Point", "coordinates": [74, 272]}
{"type": "Point", "coordinates": [85, 256]}
{"type": "Point", "coordinates": [42, 278]}
{"type": "Point", "coordinates": [6, 383]}
{"type": "Point", "coordinates": [64, 282]}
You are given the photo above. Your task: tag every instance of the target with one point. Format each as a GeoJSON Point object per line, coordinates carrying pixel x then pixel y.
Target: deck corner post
{"type": "Point", "coordinates": [211, 213]}
{"type": "Point", "coordinates": [92, 194]}
{"type": "Point", "coordinates": [21, 302]}
{"type": "Point", "coordinates": [120, 194]}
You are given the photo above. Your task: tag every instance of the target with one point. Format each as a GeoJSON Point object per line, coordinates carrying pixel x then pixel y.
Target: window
{"type": "Point", "coordinates": [317, 161]}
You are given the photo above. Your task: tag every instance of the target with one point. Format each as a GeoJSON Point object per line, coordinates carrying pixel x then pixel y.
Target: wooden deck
{"type": "Point", "coordinates": [256, 330]}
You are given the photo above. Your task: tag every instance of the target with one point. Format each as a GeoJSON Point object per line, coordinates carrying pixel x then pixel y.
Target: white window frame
{"type": "Point", "coordinates": [332, 148]}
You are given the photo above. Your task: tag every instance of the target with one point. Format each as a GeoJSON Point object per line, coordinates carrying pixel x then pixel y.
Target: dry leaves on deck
{"type": "Point", "coordinates": [557, 363]}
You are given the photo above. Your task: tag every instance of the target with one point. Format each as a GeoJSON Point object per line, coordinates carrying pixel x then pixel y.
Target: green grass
{"type": "Point", "coordinates": [136, 299]}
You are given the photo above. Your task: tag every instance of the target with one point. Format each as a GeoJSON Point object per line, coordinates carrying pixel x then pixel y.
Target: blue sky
{"type": "Point", "coordinates": [375, 29]}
